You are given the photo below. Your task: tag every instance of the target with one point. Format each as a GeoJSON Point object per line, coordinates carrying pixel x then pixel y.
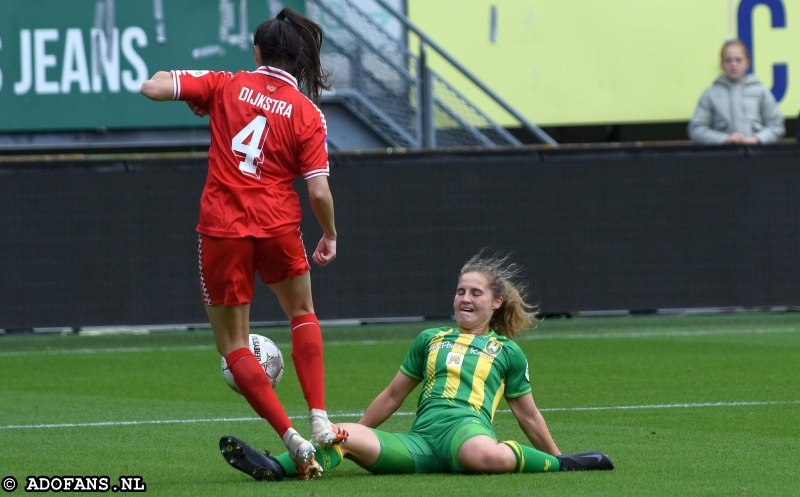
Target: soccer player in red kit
{"type": "Point", "coordinates": [264, 133]}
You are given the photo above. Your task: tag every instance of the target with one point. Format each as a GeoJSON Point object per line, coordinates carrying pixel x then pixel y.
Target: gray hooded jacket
{"type": "Point", "coordinates": [728, 107]}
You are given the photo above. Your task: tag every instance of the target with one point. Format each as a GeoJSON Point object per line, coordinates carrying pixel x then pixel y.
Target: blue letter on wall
{"type": "Point", "coordinates": [780, 72]}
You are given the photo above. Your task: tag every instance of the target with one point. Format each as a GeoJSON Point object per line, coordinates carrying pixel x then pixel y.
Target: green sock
{"type": "Point", "coordinates": [327, 457]}
{"type": "Point", "coordinates": [530, 460]}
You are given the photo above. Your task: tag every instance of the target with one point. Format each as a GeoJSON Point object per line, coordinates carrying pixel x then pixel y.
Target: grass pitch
{"type": "Point", "coordinates": [684, 406]}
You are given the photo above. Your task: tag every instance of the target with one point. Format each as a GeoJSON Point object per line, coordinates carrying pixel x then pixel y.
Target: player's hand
{"type": "Point", "coordinates": [196, 109]}
{"type": "Point", "coordinates": [326, 251]}
{"type": "Point", "coordinates": [751, 140]}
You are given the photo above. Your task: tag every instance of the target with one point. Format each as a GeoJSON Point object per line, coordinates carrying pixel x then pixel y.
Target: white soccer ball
{"type": "Point", "coordinates": [267, 353]}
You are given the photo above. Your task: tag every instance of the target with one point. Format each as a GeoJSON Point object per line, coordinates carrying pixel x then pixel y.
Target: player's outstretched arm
{"type": "Point", "coordinates": [388, 401]}
{"type": "Point", "coordinates": [159, 87]}
{"type": "Point", "coordinates": [319, 195]}
{"type": "Point", "coordinates": [532, 423]}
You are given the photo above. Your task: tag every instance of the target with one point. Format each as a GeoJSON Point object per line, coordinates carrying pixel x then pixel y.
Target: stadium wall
{"type": "Point", "coordinates": [112, 241]}
{"type": "Point", "coordinates": [617, 61]}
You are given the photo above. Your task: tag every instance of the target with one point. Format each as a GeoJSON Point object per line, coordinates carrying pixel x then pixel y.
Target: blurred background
{"type": "Point", "coordinates": [552, 130]}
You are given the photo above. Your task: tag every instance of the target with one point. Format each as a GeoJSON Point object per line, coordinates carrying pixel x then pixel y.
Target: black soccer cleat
{"type": "Point", "coordinates": [259, 465]}
{"type": "Point", "coordinates": [584, 461]}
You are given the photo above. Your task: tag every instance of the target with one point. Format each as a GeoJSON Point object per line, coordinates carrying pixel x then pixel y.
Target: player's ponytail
{"type": "Point", "coordinates": [292, 42]}
{"type": "Point", "coordinates": [514, 315]}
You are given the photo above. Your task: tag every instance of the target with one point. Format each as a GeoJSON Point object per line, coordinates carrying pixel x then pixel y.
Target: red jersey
{"type": "Point", "coordinates": [264, 134]}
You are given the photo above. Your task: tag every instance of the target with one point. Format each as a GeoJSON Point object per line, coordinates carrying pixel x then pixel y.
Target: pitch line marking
{"type": "Point", "coordinates": [332, 343]}
{"type": "Point", "coordinates": [116, 350]}
{"type": "Point", "coordinates": [656, 334]}
{"type": "Point", "coordinates": [405, 413]}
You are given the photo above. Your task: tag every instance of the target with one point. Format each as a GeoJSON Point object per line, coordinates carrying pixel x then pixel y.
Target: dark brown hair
{"type": "Point", "coordinates": [514, 315]}
{"type": "Point", "coordinates": [292, 42]}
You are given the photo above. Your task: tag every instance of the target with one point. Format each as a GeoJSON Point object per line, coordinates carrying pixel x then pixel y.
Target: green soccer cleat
{"type": "Point", "coordinates": [259, 465]}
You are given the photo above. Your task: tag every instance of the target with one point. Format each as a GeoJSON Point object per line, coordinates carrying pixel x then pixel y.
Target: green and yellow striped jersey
{"type": "Point", "coordinates": [468, 372]}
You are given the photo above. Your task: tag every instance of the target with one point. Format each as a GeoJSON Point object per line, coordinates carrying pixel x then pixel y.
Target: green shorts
{"type": "Point", "coordinates": [415, 452]}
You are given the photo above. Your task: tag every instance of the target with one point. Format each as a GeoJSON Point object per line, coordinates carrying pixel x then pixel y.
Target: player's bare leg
{"type": "Point", "coordinates": [294, 295]}
{"type": "Point", "coordinates": [231, 325]}
{"type": "Point", "coordinates": [363, 446]}
{"type": "Point", "coordinates": [482, 454]}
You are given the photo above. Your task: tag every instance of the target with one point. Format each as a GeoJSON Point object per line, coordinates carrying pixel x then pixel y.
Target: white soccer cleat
{"type": "Point", "coordinates": [302, 453]}
{"type": "Point", "coordinates": [323, 432]}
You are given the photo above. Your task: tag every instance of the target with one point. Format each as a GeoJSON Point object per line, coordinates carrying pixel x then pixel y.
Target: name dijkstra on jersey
{"type": "Point", "coordinates": [262, 101]}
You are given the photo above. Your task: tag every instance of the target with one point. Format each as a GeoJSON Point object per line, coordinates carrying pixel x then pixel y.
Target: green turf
{"type": "Point", "coordinates": [654, 364]}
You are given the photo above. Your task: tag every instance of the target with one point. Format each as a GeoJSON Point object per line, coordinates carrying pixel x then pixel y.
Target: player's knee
{"type": "Point", "coordinates": [363, 447]}
{"type": "Point", "coordinates": [351, 427]}
{"type": "Point", "coordinates": [476, 463]}
{"type": "Point", "coordinates": [299, 309]}
{"type": "Point", "coordinates": [485, 461]}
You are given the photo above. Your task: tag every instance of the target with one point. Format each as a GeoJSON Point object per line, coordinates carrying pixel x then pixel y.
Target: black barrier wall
{"type": "Point", "coordinates": [113, 243]}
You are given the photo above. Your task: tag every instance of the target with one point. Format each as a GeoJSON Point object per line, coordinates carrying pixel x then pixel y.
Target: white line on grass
{"type": "Point", "coordinates": [333, 343]}
{"type": "Point", "coordinates": [116, 350]}
{"type": "Point", "coordinates": [359, 414]}
{"type": "Point", "coordinates": [656, 334]}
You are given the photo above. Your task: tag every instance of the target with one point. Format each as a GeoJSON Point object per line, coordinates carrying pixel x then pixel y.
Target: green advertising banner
{"type": "Point", "coordinates": [79, 64]}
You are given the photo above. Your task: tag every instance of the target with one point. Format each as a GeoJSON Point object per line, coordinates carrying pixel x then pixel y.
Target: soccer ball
{"type": "Point", "coordinates": [267, 353]}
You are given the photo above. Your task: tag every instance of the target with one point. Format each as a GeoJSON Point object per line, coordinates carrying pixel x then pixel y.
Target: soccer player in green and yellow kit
{"type": "Point", "coordinates": [464, 373]}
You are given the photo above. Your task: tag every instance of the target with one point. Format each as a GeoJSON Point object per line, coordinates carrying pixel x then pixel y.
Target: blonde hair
{"type": "Point", "coordinates": [514, 316]}
{"type": "Point", "coordinates": [737, 42]}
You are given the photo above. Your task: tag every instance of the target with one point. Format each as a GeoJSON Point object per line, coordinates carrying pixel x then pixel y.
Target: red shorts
{"type": "Point", "coordinates": [228, 265]}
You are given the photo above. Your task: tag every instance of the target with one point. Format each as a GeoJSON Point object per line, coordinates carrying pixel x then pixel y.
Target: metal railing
{"type": "Point", "coordinates": [394, 91]}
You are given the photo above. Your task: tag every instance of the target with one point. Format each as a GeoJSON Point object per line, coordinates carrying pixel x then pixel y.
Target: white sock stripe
{"type": "Point", "coordinates": [359, 414]}
{"type": "Point", "coordinates": [302, 324]}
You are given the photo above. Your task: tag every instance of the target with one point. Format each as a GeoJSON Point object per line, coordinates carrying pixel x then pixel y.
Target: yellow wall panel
{"type": "Point", "coordinates": [590, 61]}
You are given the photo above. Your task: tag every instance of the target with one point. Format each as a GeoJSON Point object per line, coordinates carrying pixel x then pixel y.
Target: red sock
{"type": "Point", "coordinates": [254, 385]}
{"type": "Point", "coordinates": [307, 357]}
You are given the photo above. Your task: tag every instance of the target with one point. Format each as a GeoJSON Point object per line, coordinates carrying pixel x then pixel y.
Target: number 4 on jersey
{"type": "Point", "coordinates": [248, 144]}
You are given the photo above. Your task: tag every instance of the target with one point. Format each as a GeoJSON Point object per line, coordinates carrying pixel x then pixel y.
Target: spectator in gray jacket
{"type": "Point", "coordinates": [737, 108]}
